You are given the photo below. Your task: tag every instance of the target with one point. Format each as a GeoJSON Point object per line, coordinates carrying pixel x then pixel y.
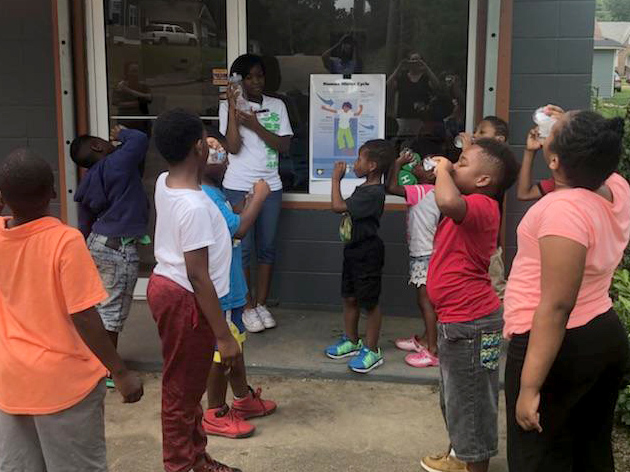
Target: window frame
{"type": "Point", "coordinates": [236, 23]}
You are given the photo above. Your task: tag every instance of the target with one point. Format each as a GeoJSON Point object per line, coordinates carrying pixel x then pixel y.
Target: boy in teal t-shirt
{"type": "Point", "coordinates": [219, 419]}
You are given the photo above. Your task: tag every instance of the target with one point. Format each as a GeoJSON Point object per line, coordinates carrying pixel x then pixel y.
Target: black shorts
{"type": "Point", "coordinates": [362, 270]}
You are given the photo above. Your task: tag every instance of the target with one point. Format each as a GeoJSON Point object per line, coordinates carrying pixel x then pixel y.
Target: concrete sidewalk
{"type": "Point", "coordinates": [294, 348]}
{"type": "Point", "coordinates": [320, 426]}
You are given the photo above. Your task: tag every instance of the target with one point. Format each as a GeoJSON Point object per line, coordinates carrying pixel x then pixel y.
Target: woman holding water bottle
{"type": "Point", "coordinates": [257, 129]}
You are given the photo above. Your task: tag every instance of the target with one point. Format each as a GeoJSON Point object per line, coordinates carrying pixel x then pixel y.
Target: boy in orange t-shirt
{"type": "Point", "coordinates": [54, 351]}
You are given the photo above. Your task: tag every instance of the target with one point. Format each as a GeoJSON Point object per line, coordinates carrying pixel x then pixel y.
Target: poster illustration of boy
{"type": "Point", "coordinates": [345, 139]}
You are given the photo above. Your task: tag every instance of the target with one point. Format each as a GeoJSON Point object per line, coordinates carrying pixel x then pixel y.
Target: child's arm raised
{"type": "Point", "coordinates": [328, 109]}
{"type": "Point", "coordinates": [252, 208]}
{"type": "Point", "coordinates": [233, 138]}
{"type": "Point", "coordinates": [392, 180]}
{"type": "Point", "coordinates": [338, 204]}
{"type": "Point", "coordinates": [447, 196]}
{"type": "Point", "coordinates": [134, 144]}
{"type": "Point", "coordinates": [525, 190]}
{"type": "Point", "coordinates": [90, 327]}
{"type": "Point", "coordinates": [197, 272]}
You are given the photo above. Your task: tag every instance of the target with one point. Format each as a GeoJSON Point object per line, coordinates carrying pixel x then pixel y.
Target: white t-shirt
{"type": "Point", "coordinates": [188, 220]}
{"type": "Point", "coordinates": [256, 160]}
{"type": "Point", "coordinates": [423, 216]}
{"type": "Point", "coordinates": [344, 118]}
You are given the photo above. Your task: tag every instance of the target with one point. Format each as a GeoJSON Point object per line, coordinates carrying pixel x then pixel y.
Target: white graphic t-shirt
{"type": "Point", "coordinates": [256, 160]}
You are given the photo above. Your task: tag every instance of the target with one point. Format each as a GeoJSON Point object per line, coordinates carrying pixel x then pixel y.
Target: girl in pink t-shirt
{"type": "Point", "coordinates": [568, 350]}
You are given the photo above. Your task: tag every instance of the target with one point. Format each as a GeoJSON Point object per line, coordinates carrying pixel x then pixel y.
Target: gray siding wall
{"type": "Point", "coordinates": [27, 85]}
{"type": "Point", "coordinates": [603, 68]}
{"type": "Point", "coordinates": [552, 55]}
{"type": "Point", "coordinates": [308, 268]}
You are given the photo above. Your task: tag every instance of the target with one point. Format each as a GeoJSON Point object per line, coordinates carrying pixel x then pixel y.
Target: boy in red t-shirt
{"type": "Point", "coordinates": [469, 312]}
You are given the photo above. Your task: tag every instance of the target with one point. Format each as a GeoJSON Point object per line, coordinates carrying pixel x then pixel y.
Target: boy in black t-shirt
{"type": "Point", "coordinates": [363, 254]}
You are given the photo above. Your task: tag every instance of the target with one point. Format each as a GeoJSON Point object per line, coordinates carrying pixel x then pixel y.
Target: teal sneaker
{"type": "Point", "coordinates": [366, 360]}
{"type": "Point", "coordinates": [109, 382]}
{"type": "Point", "coordinates": [344, 348]}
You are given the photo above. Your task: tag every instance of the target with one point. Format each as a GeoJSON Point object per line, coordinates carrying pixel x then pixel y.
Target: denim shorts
{"type": "Point", "coordinates": [264, 230]}
{"type": "Point", "coordinates": [418, 270]}
{"type": "Point", "coordinates": [119, 272]}
{"type": "Point", "coordinates": [469, 384]}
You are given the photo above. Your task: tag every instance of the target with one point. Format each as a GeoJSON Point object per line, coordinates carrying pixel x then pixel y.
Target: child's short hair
{"type": "Point", "coordinates": [26, 181]}
{"type": "Point", "coordinates": [347, 104]}
{"type": "Point", "coordinates": [176, 132]}
{"type": "Point", "coordinates": [244, 63]}
{"type": "Point", "coordinates": [502, 159]}
{"type": "Point", "coordinates": [80, 151]}
{"type": "Point", "coordinates": [589, 147]}
{"type": "Point", "coordinates": [380, 152]}
{"type": "Point", "coordinates": [500, 126]}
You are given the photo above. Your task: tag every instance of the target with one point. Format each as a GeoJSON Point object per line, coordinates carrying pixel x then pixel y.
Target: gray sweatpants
{"type": "Point", "coordinates": [72, 440]}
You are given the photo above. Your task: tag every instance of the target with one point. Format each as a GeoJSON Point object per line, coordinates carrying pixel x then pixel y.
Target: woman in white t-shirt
{"type": "Point", "coordinates": [254, 140]}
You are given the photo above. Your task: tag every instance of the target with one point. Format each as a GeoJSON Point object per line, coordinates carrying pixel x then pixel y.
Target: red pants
{"type": "Point", "coordinates": [187, 350]}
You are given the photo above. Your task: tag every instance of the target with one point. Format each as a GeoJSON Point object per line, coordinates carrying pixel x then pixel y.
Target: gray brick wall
{"type": "Point", "coordinates": [552, 55]}
{"type": "Point", "coordinates": [27, 86]}
{"type": "Point", "coordinates": [308, 268]}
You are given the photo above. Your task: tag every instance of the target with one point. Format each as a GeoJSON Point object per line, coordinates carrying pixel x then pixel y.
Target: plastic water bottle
{"type": "Point", "coordinates": [458, 142]}
{"type": "Point", "coordinates": [428, 164]}
{"type": "Point", "coordinates": [236, 81]}
{"type": "Point", "coordinates": [544, 122]}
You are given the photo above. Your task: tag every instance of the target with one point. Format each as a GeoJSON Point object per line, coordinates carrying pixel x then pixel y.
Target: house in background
{"type": "Point", "coordinates": [618, 31]}
{"type": "Point", "coordinates": [605, 56]}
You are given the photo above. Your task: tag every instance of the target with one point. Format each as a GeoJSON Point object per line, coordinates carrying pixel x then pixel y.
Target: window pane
{"type": "Point", "coordinates": [421, 45]}
{"type": "Point", "coordinates": [160, 55]}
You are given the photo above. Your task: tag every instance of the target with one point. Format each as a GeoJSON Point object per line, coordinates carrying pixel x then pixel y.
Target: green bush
{"type": "Point", "coordinates": [620, 292]}
{"type": "Point", "coordinates": [624, 169]}
{"type": "Point", "coordinates": [620, 289]}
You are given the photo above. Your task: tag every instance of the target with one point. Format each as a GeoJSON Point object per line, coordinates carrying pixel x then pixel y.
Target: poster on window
{"type": "Point", "coordinates": [344, 114]}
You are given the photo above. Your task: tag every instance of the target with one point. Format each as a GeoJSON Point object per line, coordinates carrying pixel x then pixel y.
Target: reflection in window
{"type": "Point", "coordinates": [160, 55]}
{"type": "Point", "coordinates": [421, 45]}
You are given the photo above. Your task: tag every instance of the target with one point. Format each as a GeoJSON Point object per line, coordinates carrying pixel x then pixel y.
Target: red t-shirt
{"type": "Point", "coordinates": [458, 283]}
{"type": "Point", "coordinates": [547, 186]}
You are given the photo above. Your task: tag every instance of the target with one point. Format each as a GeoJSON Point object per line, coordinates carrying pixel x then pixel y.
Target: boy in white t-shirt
{"type": "Point", "coordinates": [423, 216]}
{"type": "Point", "coordinates": [345, 140]}
{"type": "Point", "coordinates": [193, 250]}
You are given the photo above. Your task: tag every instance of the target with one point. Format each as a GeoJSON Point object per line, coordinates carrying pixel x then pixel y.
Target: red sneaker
{"type": "Point", "coordinates": [252, 406]}
{"type": "Point", "coordinates": [226, 422]}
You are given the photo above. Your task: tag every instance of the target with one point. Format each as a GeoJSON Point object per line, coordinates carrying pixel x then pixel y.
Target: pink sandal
{"type": "Point", "coordinates": [410, 344]}
{"type": "Point", "coordinates": [422, 359]}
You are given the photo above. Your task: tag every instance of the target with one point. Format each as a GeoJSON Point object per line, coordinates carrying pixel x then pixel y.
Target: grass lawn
{"type": "Point", "coordinates": [615, 106]}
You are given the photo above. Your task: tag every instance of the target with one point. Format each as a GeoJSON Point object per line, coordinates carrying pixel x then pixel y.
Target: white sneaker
{"type": "Point", "coordinates": [252, 321]}
{"type": "Point", "coordinates": [265, 316]}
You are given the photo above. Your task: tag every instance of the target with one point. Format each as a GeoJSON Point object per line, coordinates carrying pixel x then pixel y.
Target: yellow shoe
{"type": "Point", "coordinates": [443, 463]}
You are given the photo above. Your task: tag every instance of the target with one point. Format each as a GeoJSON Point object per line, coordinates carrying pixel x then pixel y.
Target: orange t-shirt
{"type": "Point", "coordinates": [46, 275]}
{"type": "Point", "coordinates": [587, 218]}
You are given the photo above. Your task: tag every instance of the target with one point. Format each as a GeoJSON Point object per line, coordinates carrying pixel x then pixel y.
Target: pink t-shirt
{"type": "Point", "coordinates": [583, 216]}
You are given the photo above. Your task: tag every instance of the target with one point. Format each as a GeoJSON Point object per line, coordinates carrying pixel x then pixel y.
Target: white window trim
{"type": "Point", "coordinates": [236, 12]}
